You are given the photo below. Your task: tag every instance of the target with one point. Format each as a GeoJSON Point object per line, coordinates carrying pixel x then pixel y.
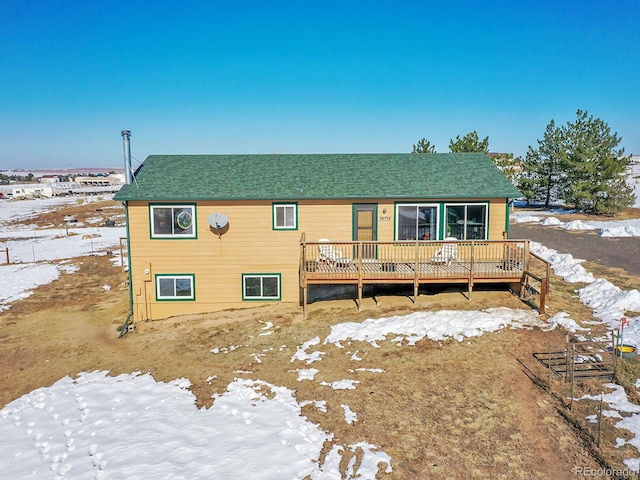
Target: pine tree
{"type": "Point", "coordinates": [469, 143]}
{"type": "Point", "coordinates": [508, 165]}
{"type": "Point", "coordinates": [542, 177]}
{"type": "Point", "coordinates": [595, 169]}
{"type": "Point", "coordinates": [424, 146]}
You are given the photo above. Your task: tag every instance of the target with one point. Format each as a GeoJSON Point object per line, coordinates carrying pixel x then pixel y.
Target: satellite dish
{"type": "Point", "coordinates": [219, 223]}
{"type": "Point", "coordinates": [218, 220]}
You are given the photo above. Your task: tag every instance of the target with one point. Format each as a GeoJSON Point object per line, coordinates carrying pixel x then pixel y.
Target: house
{"type": "Point", "coordinates": [101, 180]}
{"type": "Point", "coordinates": [32, 192]}
{"type": "Point", "coordinates": [212, 232]}
{"type": "Point", "coordinates": [49, 179]}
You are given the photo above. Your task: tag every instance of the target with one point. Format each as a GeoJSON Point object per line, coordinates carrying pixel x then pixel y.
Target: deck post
{"type": "Point", "coordinates": [416, 280]}
{"type": "Point", "coordinates": [303, 274]}
{"type": "Point", "coordinates": [543, 293]}
{"type": "Point", "coordinates": [360, 283]}
{"type": "Point", "coordinates": [548, 274]}
{"type": "Point", "coordinates": [305, 298]}
{"type": "Point", "coordinates": [471, 267]}
{"type": "Point", "coordinates": [398, 264]}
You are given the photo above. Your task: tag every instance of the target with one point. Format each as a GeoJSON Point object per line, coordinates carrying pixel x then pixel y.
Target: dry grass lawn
{"type": "Point", "coordinates": [440, 409]}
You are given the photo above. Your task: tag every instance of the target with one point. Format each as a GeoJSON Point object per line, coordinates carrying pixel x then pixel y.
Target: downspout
{"type": "Point", "coordinates": [505, 234]}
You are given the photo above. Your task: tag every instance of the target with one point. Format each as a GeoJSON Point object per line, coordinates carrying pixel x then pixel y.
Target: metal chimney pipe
{"type": "Point", "coordinates": [126, 135]}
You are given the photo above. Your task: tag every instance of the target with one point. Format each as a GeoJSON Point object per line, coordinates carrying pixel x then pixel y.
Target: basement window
{"type": "Point", "coordinates": [175, 287]}
{"type": "Point", "coordinates": [173, 221]}
{"type": "Point", "coordinates": [261, 286]}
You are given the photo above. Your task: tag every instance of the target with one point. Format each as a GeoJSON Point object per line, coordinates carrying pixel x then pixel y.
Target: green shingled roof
{"type": "Point", "coordinates": [317, 176]}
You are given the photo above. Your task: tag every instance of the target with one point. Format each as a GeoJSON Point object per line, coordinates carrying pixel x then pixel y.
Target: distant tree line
{"type": "Point", "coordinates": [579, 163]}
{"type": "Point", "coordinates": [31, 178]}
{"type": "Point", "coordinates": [17, 178]}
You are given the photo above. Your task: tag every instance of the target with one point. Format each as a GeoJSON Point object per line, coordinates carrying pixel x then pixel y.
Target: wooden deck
{"type": "Point", "coordinates": [416, 263]}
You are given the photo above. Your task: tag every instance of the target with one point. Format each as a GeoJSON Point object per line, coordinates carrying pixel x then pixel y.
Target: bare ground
{"type": "Point", "coordinates": [619, 252]}
{"type": "Point", "coordinates": [440, 410]}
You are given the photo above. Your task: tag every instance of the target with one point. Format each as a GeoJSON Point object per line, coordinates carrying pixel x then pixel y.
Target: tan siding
{"type": "Point", "coordinates": [497, 218]}
{"type": "Point", "coordinates": [386, 222]}
{"type": "Point", "coordinates": [249, 246]}
{"type": "Point", "coordinates": [330, 220]}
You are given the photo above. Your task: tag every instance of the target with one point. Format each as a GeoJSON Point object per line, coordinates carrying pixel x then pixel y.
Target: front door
{"type": "Point", "coordinates": [365, 227]}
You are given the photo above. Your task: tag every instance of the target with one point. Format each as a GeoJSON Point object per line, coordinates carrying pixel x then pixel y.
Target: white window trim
{"type": "Point", "coordinates": [194, 229]}
{"type": "Point", "coordinates": [397, 215]}
{"type": "Point", "coordinates": [191, 279]}
{"type": "Point", "coordinates": [277, 206]}
{"type": "Point", "coordinates": [464, 204]}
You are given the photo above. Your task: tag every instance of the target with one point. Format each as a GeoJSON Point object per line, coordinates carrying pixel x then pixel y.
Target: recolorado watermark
{"type": "Point", "coordinates": [589, 472]}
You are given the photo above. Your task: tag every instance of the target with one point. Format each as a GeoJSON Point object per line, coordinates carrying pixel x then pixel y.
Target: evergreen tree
{"type": "Point", "coordinates": [595, 169]}
{"type": "Point", "coordinates": [469, 143]}
{"type": "Point", "coordinates": [542, 176]}
{"type": "Point", "coordinates": [508, 165]}
{"type": "Point", "coordinates": [424, 146]}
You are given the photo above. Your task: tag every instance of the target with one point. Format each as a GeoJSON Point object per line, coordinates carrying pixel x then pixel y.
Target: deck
{"type": "Point", "coordinates": [417, 262]}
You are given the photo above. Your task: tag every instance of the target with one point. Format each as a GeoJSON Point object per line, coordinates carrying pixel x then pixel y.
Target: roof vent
{"type": "Point", "coordinates": [126, 135]}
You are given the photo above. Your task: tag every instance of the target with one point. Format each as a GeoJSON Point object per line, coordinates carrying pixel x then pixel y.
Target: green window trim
{"type": "Point", "coordinates": [284, 216]}
{"type": "Point", "coordinates": [507, 216]}
{"type": "Point", "coordinates": [261, 287]}
{"type": "Point", "coordinates": [181, 285]}
{"type": "Point", "coordinates": [354, 209]}
{"type": "Point", "coordinates": [173, 221]}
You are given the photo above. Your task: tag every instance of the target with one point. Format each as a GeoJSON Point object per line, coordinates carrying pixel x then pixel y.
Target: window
{"type": "Point", "coordinates": [285, 216]}
{"type": "Point", "coordinates": [467, 222]}
{"type": "Point", "coordinates": [416, 222]}
{"type": "Point", "coordinates": [256, 286]}
{"type": "Point", "coordinates": [175, 287]}
{"type": "Point", "coordinates": [173, 221]}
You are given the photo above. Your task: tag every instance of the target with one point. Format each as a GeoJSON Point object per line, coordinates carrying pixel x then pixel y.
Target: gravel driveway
{"type": "Point", "coordinates": [623, 252]}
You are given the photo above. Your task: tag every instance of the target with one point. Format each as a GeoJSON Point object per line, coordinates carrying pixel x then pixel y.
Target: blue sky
{"type": "Point", "coordinates": [306, 77]}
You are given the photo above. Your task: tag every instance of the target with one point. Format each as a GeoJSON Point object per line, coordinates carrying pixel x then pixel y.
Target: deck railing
{"type": "Point", "coordinates": [346, 262]}
{"type": "Point", "coordinates": [416, 262]}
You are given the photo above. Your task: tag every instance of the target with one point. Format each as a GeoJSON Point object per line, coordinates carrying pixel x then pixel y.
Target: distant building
{"type": "Point", "coordinates": [32, 192]}
{"type": "Point", "coordinates": [101, 181]}
{"type": "Point", "coordinates": [49, 179]}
